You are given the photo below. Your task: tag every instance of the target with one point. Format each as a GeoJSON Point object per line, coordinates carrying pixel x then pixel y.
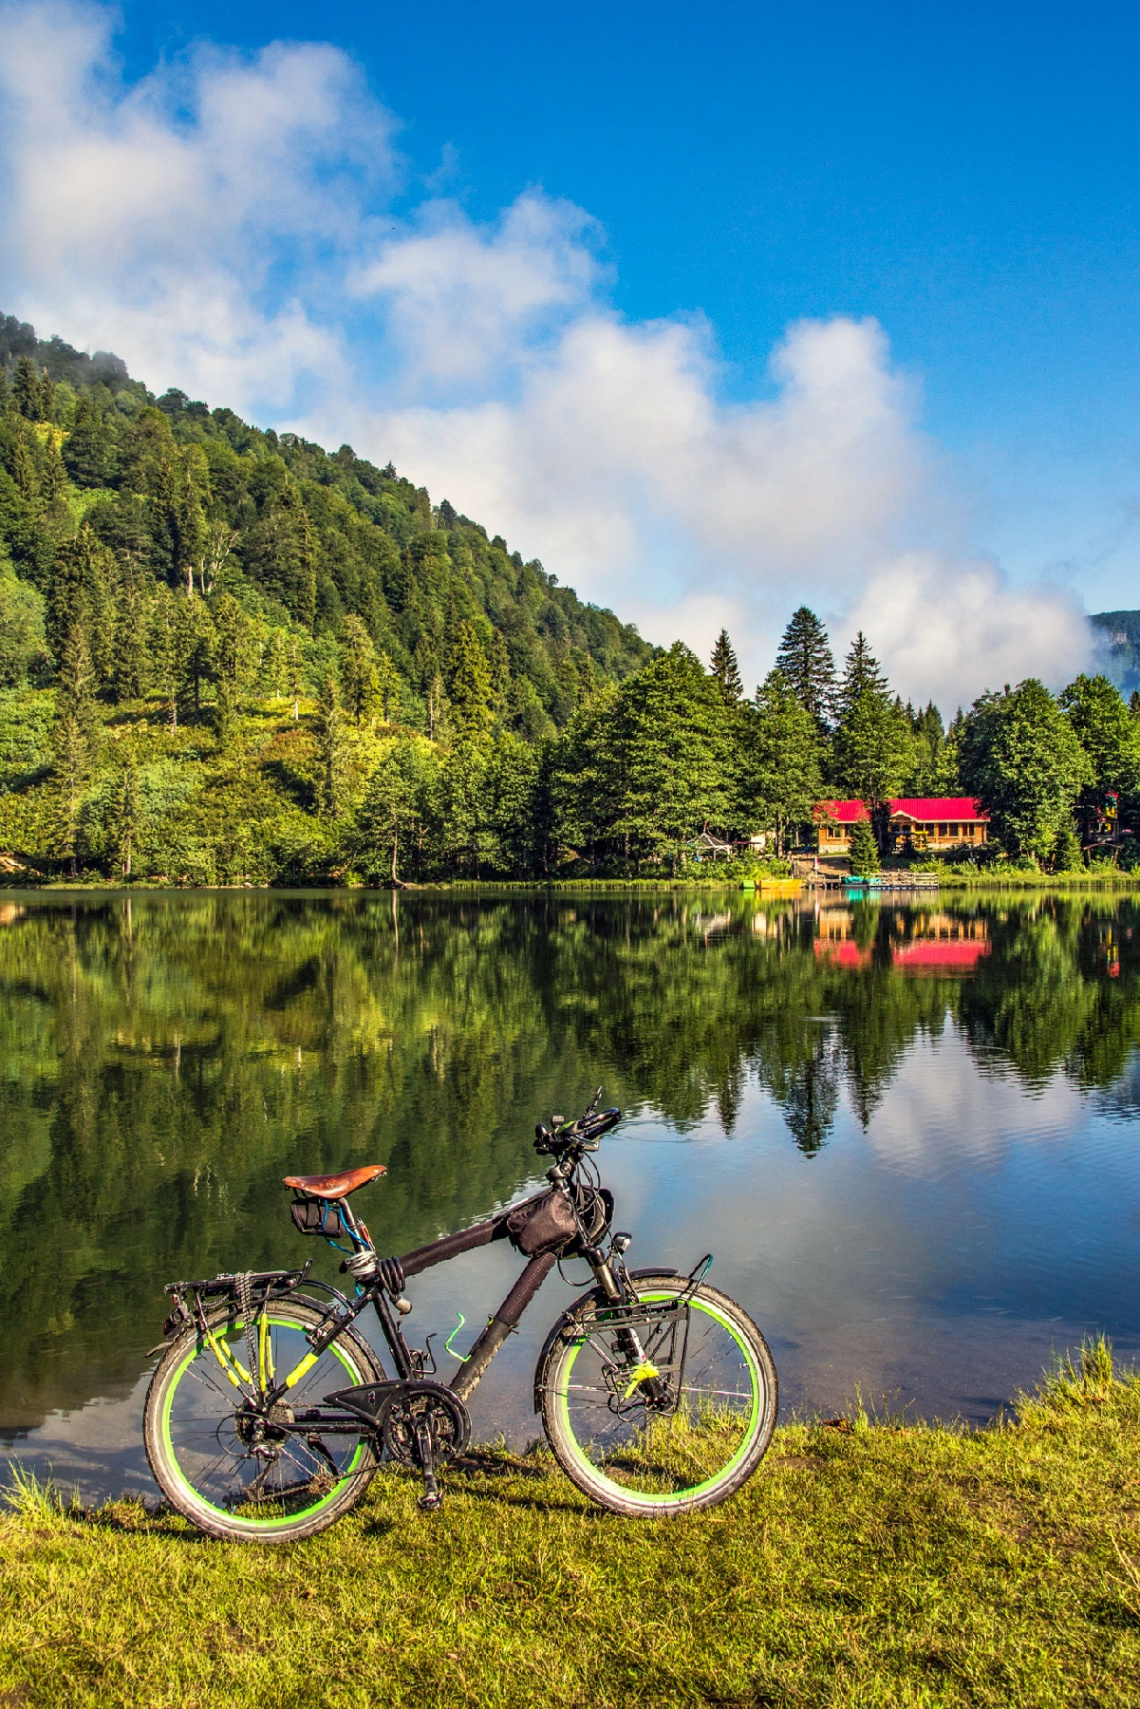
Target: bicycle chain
{"type": "Point", "coordinates": [245, 1301]}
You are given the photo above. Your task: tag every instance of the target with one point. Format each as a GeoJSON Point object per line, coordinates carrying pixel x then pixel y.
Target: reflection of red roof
{"type": "Point", "coordinates": [920, 807]}
{"type": "Point", "coordinates": [925, 955]}
{"type": "Point", "coordinates": [842, 954]}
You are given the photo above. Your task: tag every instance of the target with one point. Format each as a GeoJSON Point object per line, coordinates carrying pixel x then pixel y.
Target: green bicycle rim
{"type": "Point", "coordinates": [211, 1507]}
{"type": "Point", "coordinates": [672, 1497]}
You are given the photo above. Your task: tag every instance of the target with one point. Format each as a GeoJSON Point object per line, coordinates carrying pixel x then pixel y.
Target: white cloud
{"type": "Point", "coordinates": [223, 224]}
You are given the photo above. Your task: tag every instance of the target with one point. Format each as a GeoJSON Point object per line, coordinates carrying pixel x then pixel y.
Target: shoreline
{"type": "Point", "coordinates": [868, 1562]}
{"type": "Point", "coordinates": [761, 891]}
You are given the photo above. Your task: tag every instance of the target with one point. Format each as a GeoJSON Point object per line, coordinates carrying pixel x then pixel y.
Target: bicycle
{"type": "Point", "coordinates": [268, 1413]}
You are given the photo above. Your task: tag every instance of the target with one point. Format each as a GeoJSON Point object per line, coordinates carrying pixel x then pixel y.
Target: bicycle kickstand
{"type": "Point", "coordinates": [431, 1499]}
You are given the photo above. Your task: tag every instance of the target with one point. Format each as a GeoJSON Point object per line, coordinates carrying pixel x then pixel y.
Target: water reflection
{"type": "Point", "coordinates": [930, 1178]}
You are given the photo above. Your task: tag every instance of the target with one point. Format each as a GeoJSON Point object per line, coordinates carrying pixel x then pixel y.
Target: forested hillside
{"type": "Point", "coordinates": [231, 597]}
{"type": "Point", "coordinates": [227, 656]}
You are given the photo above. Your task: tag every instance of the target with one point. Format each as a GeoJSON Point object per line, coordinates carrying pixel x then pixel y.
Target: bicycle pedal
{"type": "Point", "coordinates": [430, 1501]}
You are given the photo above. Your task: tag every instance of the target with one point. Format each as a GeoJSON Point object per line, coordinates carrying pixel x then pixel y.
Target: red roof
{"type": "Point", "coordinates": [939, 807]}
{"type": "Point", "coordinates": [919, 807]}
{"type": "Point", "coordinates": [845, 811]}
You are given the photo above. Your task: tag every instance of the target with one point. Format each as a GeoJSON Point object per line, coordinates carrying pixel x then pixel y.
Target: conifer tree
{"type": "Point", "coordinates": [131, 662]}
{"type": "Point", "coordinates": [74, 740]}
{"type": "Point", "coordinates": [864, 849]}
{"type": "Point", "coordinates": [27, 391]}
{"type": "Point", "coordinates": [128, 812]}
{"type": "Point", "coordinates": [804, 660]}
{"type": "Point", "coordinates": [388, 687]}
{"type": "Point", "coordinates": [359, 675]}
{"type": "Point", "coordinates": [669, 746]}
{"type": "Point", "coordinates": [331, 755]}
{"type": "Point", "coordinates": [861, 675]}
{"type": "Point", "coordinates": [275, 663]}
{"type": "Point", "coordinates": [24, 471]}
{"type": "Point", "coordinates": [725, 669]}
{"type": "Point", "coordinates": [469, 685]}
{"type": "Point", "coordinates": [783, 750]}
{"type": "Point", "coordinates": [87, 450]}
{"type": "Point", "coordinates": [872, 748]}
{"type": "Point", "coordinates": [394, 803]}
{"type": "Point", "coordinates": [499, 665]}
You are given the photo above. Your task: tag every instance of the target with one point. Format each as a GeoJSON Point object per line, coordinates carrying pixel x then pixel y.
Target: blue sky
{"type": "Point", "coordinates": [948, 195]}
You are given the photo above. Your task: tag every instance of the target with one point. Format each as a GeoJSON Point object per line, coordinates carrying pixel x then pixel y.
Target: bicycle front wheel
{"type": "Point", "coordinates": [235, 1472]}
{"type": "Point", "coordinates": [665, 1409]}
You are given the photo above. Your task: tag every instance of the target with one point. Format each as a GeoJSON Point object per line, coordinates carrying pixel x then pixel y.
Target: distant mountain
{"type": "Point", "coordinates": [1117, 636]}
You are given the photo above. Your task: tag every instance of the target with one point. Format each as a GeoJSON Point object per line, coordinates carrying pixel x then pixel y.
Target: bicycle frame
{"type": "Point", "coordinates": [408, 1362]}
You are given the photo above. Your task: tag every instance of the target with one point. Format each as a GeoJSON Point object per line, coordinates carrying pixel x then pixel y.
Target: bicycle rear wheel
{"type": "Point", "coordinates": [230, 1471]}
{"type": "Point", "coordinates": [676, 1429]}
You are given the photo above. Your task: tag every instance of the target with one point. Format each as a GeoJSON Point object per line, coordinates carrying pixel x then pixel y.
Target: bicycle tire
{"type": "Point", "coordinates": [189, 1401]}
{"type": "Point", "coordinates": [695, 1451]}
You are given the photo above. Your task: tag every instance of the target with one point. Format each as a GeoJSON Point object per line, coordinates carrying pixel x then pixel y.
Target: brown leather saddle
{"type": "Point", "coordinates": [336, 1186]}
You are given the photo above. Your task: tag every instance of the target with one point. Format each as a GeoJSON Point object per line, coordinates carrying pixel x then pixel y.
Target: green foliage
{"type": "Point", "coordinates": [864, 848]}
{"type": "Point", "coordinates": [726, 670]}
{"type": "Point", "coordinates": [23, 641]}
{"type": "Point", "coordinates": [1021, 755]}
{"type": "Point", "coordinates": [804, 659]}
{"type": "Point", "coordinates": [782, 778]}
{"type": "Point", "coordinates": [267, 617]}
{"type": "Point", "coordinates": [1107, 732]}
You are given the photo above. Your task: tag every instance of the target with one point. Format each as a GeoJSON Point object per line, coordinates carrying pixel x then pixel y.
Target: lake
{"type": "Point", "coordinates": [908, 1134]}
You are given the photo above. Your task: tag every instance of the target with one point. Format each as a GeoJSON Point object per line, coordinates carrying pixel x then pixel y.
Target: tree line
{"type": "Point", "coordinates": [227, 656]}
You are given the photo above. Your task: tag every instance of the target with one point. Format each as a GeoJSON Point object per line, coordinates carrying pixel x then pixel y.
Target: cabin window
{"type": "Point", "coordinates": [942, 830]}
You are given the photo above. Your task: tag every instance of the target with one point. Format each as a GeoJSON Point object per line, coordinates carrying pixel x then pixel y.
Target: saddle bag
{"type": "Point", "coordinates": [545, 1223]}
{"type": "Point", "coordinates": [317, 1216]}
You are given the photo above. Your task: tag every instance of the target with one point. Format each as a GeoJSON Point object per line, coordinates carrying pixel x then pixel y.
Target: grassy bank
{"type": "Point", "coordinates": [872, 1564]}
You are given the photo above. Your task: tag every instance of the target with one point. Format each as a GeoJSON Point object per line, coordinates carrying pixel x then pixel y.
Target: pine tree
{"type": "Point", "coordinates": [330, 749]}
{"type": "Point", "coordinates": [725, 669]}
{"type": "Point", "coordinates": [27, 392]}
{"type": "Point", "coordinates": [74, 741]}
{"type": "Point", "coordinates": [24, 471]}
{"type": "Point", "coordinates": [87, 450]}
{"type": "Point", "coordinates": [388, 687]}
{"type": "Point", "coordinates": [804, 660]}
{"type": "Point", "coordinates": [359, 675]}
{"type": "Point", "coordinates": [864, 849]}
{"type": "Point", "coordinates": [670, 747]}
{"type": "Point", "coordinates": [394, 802]}
{"type": "Point", "coordinates": [861, 674]}
{"type": "Point", "coordinates": [1134, 703]}
{"type": "Point", "coordinates": [128, 813]}
{"type": "Point", "coordinates": [275, 663]}
{"type": "Point", "coordinates": [782, 759]}
{"type": "Point", "coordinates": [499, 664]}
{"type": "Point", "coordinates": [295, 675]}
{"type": "Point", "coordinates": [131, 662]}
{"type": "Point", "coordinates": [872, 751]}
{"type": "Point", "coordinates": [469, 685]}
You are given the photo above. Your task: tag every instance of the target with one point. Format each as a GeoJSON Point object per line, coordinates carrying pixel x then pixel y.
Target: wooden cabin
{"type": "Point", "coordinates": [918, 823]}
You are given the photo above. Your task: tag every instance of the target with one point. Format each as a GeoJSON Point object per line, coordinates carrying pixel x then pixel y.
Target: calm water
{"type": "Point", "coordinates": [908, 1135]}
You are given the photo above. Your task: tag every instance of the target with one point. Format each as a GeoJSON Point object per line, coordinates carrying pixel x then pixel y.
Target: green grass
{"type": "Point", "coordinates": [870, 1564]}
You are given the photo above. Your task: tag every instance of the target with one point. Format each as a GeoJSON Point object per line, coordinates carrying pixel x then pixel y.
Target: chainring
{"type": "Point", "coordinates": [416, 1403]}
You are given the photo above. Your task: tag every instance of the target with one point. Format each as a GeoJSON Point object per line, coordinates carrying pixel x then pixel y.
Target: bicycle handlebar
{"type": "Point", "coordinates": [585, 1133]}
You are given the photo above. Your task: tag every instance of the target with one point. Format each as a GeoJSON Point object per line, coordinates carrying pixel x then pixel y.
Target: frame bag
{"type": "Point", "coordinates": [543, 1224]}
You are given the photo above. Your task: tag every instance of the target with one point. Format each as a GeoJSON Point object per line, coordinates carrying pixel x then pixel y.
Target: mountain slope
{"type": "Point", "coordinates": [181, 495]}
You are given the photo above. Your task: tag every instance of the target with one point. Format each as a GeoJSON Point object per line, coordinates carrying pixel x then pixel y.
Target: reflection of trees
{"type": "Point", "coordinates": [164, 1061]}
